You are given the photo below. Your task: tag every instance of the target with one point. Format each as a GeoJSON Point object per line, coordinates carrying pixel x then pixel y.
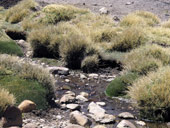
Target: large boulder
{"type": "Point", "coordinates": [27, 106]}
{"type": "Point", "coordinates": [12, 117]}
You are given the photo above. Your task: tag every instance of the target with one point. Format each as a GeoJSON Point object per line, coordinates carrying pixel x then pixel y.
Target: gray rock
{"type": "Point", "coordinates": [73, 106]}
{"type": "Point", "coordinates": [74, 126]}
{"type": "Point", "coordinates": [67, 98]}
{"type": "Point", "coordinates": [81, 98]}
{"type": "Point", "coordinates": [104, 10]}
{"type": "Point", "coordinates": [71, 93]}
{"type": "Point", "coordinates": [82, 76]}
{"type": "Point", "coordinates": [125, 124]}
{"type": "Point", "coordinates": [141, 123]}
{"type": "Point", "coordinates": [58, 70]}
{"type": "Point", "coordinates": [93, 75]}
{"type": "Point", "coordinates": [78, 118]}
{"type": "Point", "coordinates": [30, 125]}
{"type": "Point", "coordinates": [84, 94]}
{"type": "Point", "coordinates": [101, 103]}
{"type": "Point", "coordinates": [129, 3]}
{"type": "Point", "coordinates": [126, 115]}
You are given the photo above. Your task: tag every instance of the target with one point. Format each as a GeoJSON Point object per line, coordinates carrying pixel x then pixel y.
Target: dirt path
{"type": "Point", "coordinates": [120, 7]}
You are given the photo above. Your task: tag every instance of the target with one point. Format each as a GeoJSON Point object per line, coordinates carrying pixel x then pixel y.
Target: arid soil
{"type": "Point", "coordinates": [121, 7]}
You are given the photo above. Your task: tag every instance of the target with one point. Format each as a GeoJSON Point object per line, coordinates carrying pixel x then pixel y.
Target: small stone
{"type": "Point", "coordinates": [73, 106]}
{"type": "Point", "coordinates": [84, 94]}
{"type": "Point", "coordinates": [82, 76]}
{"type": "Point", "coordinates": [101, 103]}
{"type": "Point", "coordinates": [81, 98]}
{"type": "Point", "coordinates": [141, 123]}
{"type": "Point", "coordinates": [78, 118]}
{"type": "Point", "coordinates": [71, 93]}
{"type": "Point", "coordinates": [58, 70]}
{"type": "Point", "coordinates": [74, 126]}
{"type": "Point", "coordinates": [125, 124]}
{"type": "Point", "coordinates": [12, 117]}
{"type": "Point", "coordinates": [67, 98]}
{"type": "Point", "coordinates": [116, 18]}
{"type": "Point", "coordinates": [94, 4]}
{"type": "Point", "coordinates": [104, 10]}
{"type": "Point", "coordinates": [84, 3]}
{"type": "Point", "coordinates": [96, 109]}
{"type": "Point", "coordinates": [27, 106]}
{"type": "Point", "coordinates": [109, 80]}
{"type": "Point", "coordinates": [99, 126]}
{"type": "Point", "coordinates": [66, 87]}
{"type": "Point", "coordinates": [129, 3]}
{"type": "Point", "coordinates": [67, 80]}
{"type": "Point", "coordinates": [126, 115]}
{"type": "Point", "coordinates": [30, 125]}
{"type": "Point", "coordinates": [93, 75]}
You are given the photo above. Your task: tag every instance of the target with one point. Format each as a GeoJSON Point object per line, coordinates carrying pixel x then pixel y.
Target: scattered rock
{"type": "Point", "coordinates": [66, 87]}
{"type": "Point", "coordinates": [116, 18]}
{"type": "Point", "coordinates": [104, 10]}
{"type": "Point", "coordinates": [94, 4]}
{"type": "Point", "coordinates": [81, 98]}
{"type": "Point", "coordinates": [141, 123]}
{"type": "Point", "coordinates": [82, 76]}
{"type": "Point", "coordinates": [126, 115]}
{"type": "Point", "coordinates": [96, 109]}
{"type": "Point", "coordinates": [101, 103]}
{"type": "Point", "coordinates": [84, 94]}
{"type": "Point", "coordinates": [73, 106]}
{"type": "Point", "coordinates": [27, 106]}
{"type": "Point", "coordinates": [74, 126]}
{"type": "Point", "coordinates": [129, 3]}
{"type": "Point", "coordinates": [67, 80]}
{"type": "Point", "coordinates": [99, 126]}
{"type": "Point", "coordinates": [12, 117]}
{"type": "Point", "coordinates": [71, 93]}
{"type": "Point", "coordinates": [84, 3]}
{"type": "Point", "coordinates": [58, 70]}
{"type": "Point", "coordinates": [30, 125]}
{"type": "Point", "coordinates": [93, 75]}
{"type": "Point", "coordinates": [125, 124]}
{"type": "Point", "coordinates": [109, 80]}
{"type": "Point", "coordinates": [67, 98]}
{"type": "Point", "coordinates": [78, 118]}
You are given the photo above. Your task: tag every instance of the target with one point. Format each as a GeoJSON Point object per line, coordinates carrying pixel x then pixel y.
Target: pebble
{"type": "Point", "coordinates": [125, 124]}
{"type": "Point", "coordinates": [141, 123]}
{"type": "Point", "coordinates": [73, 106]}
{"type": "Point", "coordinates": [126, 115]}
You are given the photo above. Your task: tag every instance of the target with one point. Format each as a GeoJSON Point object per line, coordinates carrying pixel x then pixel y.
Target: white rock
{"type": "Point", "coordinates": [58, 70]}
{"type": "Point", "coordinates": [73, 106]}
{"type": "Point", "coordinates": [101, 103]}
{"type": "Point", "coordinates": [109, 80]}
{"type": "Point", "coordinates": [141, 123]}
{"type": "Point", "coordinates": [84, 94]}
{"type": "Point", "coordinates": [104, 10]}
{"type": "Point", "coordinates": [82, 76]}
{"type": "Point", "coordinates": [93, 75]}
{"type": "Point", "coordinates": [129, 3]}
{"type": "Point", "coordinates": [96, 109]}
{"type": "Point", "coordinates": [67, 80]}
{"type": "Point", "coordinates": [126, 115]}
{"type": "Point", "coordinates": [67, 98]}
{"type": "Point", "coordinates": [81, 98]}
{"type": "Point", "coordinates": [78, 118]}
{"type": "Point", "coordinates": [125, 124]}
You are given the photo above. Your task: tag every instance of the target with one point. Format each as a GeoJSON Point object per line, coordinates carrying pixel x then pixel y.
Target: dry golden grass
{"type": "Point", "coordinates": [140, 18]}
{"type": "Point", "coordinates": [159, 35]}
{"type": "Point", "coordinates": [6, 99]}
{"type": "Point", "coordinates": [146, 58]}
{"type": "Point", "coordinates": [129, 39]}
{"type": "Point", "coordinates": [151, 94]}
{"type": "Point", "coordinates": [17, 13]}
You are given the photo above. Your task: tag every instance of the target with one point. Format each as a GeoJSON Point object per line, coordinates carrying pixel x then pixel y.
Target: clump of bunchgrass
{"type": "Point", "coordinates": [55, 13]}
{"type": "Point", "coordinates": [90, 63]}
{"type": "Point", "coordinates": [140, 18]}
{"type": "Point", "coordinates": [129, 39]}
{"type": "Point", "coordinates": [17, 13]}
{"type": "Point", "coordinates": [151, 94]}
{"type": "Point", "coordinates": [6, 99]}
{"type": "Point", "coordinates": [146, 58]}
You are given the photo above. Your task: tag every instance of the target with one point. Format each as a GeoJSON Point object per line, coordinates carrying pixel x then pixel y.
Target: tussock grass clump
{"type": "Point", "coordinates": [119, 85]}
{"type": "Point", "coordinates": [130, 38]}
{"type": "Point", "coordinates": [6, 99]}
{"type": "Point", "coordinates": [28, 71]}
{"type": "Point", "coordinates": [41, 40]}
{"type": "Point", "coordinates": [17, 13]}
{"type": "Point", "coordinates": [151, 94]}
{"type": "Point", "coordinates": [73, 49]}
{"type": "Point", "coordinates": [146, 58]}
{"type": "Point", "coordinates": [141, 18]}
{"type": "Point", "coordinates": [90, 63]}
{"type": "Point", "coordinates": [55, 13]}
{"type": "Point", "coordinates": [159, 35]}
{"type": "Point", "coordinates": [166, 24]}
